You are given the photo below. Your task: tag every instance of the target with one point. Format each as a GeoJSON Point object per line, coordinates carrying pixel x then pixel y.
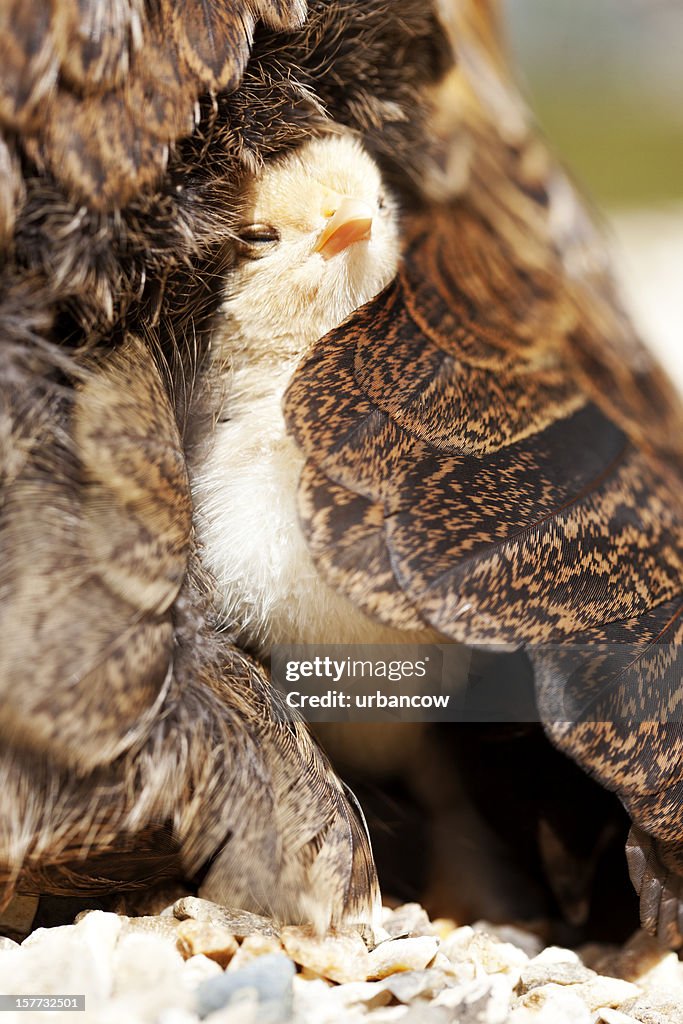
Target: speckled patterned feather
{"type": "Point", "coordinates": [105, 515]}
{"type": "Point", "coordinates": [143, 745]}
{"type": "Point", "coordinates": [491, 451]}
{"type": "Point", "coordinates": [140, 68]}
{"type": "Point", "coordinates": [511, 509]}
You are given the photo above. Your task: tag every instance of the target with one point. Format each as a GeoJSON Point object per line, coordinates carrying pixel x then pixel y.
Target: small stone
{"type": "Point", "coordinates": [443, 927]}
{"type": "Point", "coordinates": [166, 927]}
{"type": "Point", "coordinates": [198, 968]}
{"type": "Point", "coordinates": [69, 958]}
{"type": "Point", "coordinates": [552, 1004]}
{"type": "Point", "coordinates": [556, 955]}
{"type": "Point", "coordinates": [597, 993]}
{"type": "Point", "coordinates": [401, 955]}
{"type": "Point", "coordinates": [606, 1015]}
{"type": "Point", "coordinates": [664, 975]}
{"type": "Point", "coordinates": [270, 980]}
{"type": "Point", "coordinates": [238, 922]}
{"type": "Point", "coordinates": [641, 955]}
{"type": "Point", "coordinates": [456, 945]}
{"type": "Point", "coordinates": [341, 957]}
{"type": "Point", "coordinates": [243, 1010]}
{"type": "Point", "coordinates": [488, 955]}
{"type": "Point", "coordinates": [536, 974]}
{"type": "Point", "coordinates": [528, 942]}
{"type": "Point", "coordinates": [253, 947]}
{"type": "Point", "coordinates": [386, 1015]}
{"type": "Point", "coordinates": [314, 1003]}
{"type": "Point", "coordinates": [143, 963]}
{"type": "Point", "coordinates": [442, 963]}
{"type": "Point", "coordinates": [42, 936]}
{"type": "Point", "coordinates": [174, 1015]}
{"type": "Point", "coordinates": [212, 940]}
{"type": "Point", "coordinates": [306, 974]}
{"type": "Point", "coordinates": [655, 1011]}
{"type": "Point", "coordinates": [409, 920]}
{"type": "Point", "coordinates": [411, 985]}
{"type": "Point", "coordinates": [606, 992]}
{"type": "Point", "coordinates": [427, 1015]}
{"type": "Point", "coordinates": [483, 1001]}
{"type": "Point", "coordinates": [498, 957]}
{"type": "Point", "coordinates": [369, 994]}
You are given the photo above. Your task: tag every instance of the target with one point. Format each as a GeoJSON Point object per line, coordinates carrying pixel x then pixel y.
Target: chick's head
{"type": "Point", "coordinates": [319, 238]}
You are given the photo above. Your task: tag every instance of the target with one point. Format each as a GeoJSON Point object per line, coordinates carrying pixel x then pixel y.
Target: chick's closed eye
{"type": "Point", "coordinates": [255, 239]}
{"type": "Point", "coordinates": [319, 238]}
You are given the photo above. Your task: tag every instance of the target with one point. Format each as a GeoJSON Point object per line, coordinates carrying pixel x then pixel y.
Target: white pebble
{"type": "Point", "coordinates": [173, 1015]}
{"type": "Point", "coordinates": [198, 968]}
{"type": "Point", "coordinates": [341, 957]}
{"type": "Point", "coordinates": [409, 920]}
{"type": "Point", "coordinates": [603, 992]}
{"type": "Point", "coordinates": [492, 993]}
{"type": "Point", "coordinates": [556, 955]}
{"type": "Point", "coordinates": [370, 994]}
{"type": "Point", "coordinates": [144, 961]}
{"type": "Point", "coordinates": [401, 955]}
{"type": "Point", "coordinates": [536, 974]}
{"type": "Point", "coordinates": [456, 944]}
{"type": "Point", "coordinates": [408, 986]}
{"type": "Point", "coordinates": [554, 1004]}
{"type": "Point", "coordinates": [606, 1015]}
{"type": "Point", "coordinates": [214, 941]}
{"type": "Point", "coordinates": [253, 947]}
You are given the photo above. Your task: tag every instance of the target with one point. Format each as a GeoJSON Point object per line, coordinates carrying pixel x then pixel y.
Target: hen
{"type": "Point", "coordinates": [501, 462]}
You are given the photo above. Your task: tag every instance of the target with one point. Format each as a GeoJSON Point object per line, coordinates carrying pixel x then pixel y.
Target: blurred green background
{"type": "Point", "coordinates": [605, 78]}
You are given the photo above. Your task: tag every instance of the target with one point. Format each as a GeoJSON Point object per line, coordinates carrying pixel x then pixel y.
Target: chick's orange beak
{"type": "Point", "coordinates": [351, 222]}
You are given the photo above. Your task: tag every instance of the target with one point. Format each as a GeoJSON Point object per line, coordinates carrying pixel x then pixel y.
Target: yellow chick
{"type": "Point", "coordinates": [320, 238]}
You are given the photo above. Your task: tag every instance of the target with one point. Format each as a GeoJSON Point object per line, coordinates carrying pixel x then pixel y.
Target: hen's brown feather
{"type": "Point", "coordinates": [125, 717]}
{"type": "Point", "coordinates": [99, 91]}
{"type": "Point", "coordinates": [491, 449]}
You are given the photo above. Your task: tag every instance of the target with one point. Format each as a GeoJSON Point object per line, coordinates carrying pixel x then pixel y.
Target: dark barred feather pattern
{"type": "Point", "coordinates": [98, 91]}
{"type": "Point", "coordinates": [491, 451]}
{"type": "Point", "coordinates": [511, 509]}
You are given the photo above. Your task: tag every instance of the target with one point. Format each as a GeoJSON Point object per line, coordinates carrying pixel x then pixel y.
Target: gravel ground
{"type": "Point", "coordinates": [197, 961]}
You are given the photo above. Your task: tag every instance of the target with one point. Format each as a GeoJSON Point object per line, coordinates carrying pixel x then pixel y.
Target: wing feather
{"type": "Point", "coordinates": [107, 525]}
{"type": "Point", "coordinates": [98, 92]}
{"type": "Point", "coordinates": [491, 436]}
{"type": "Point", "coordinates": [512, 511]}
